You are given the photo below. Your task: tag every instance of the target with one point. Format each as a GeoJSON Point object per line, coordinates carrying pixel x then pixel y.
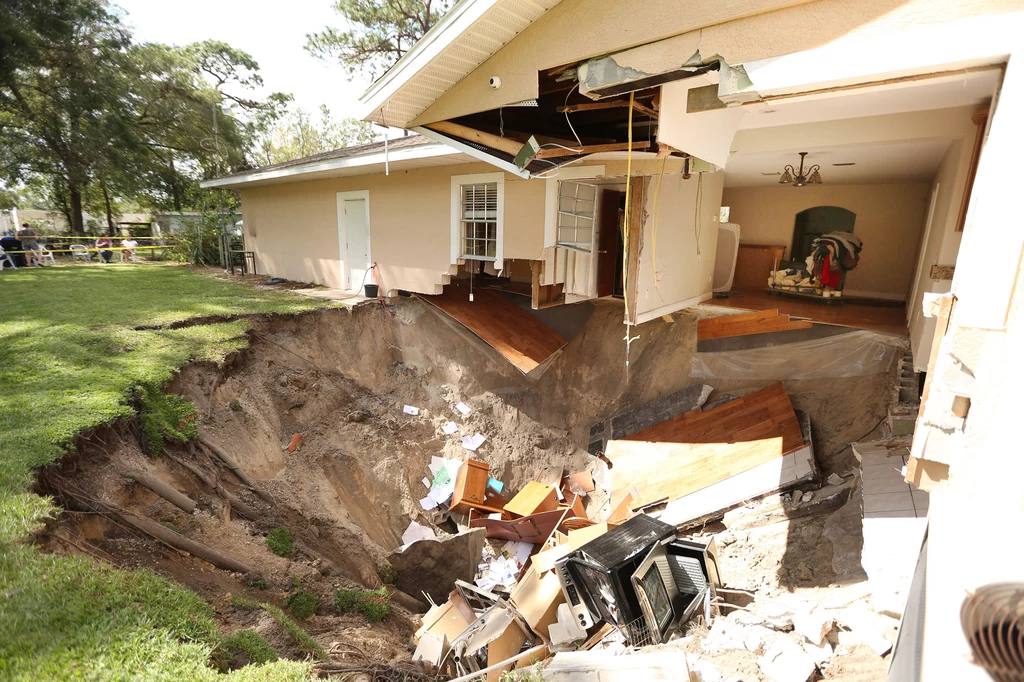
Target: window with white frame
{"type": "Point", "coordinates": [479, 220]}
{"type": "Point", "coordinates": [577, 206]}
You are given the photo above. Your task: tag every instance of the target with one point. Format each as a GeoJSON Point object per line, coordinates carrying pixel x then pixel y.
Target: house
{"type": "Point", "coordinates": [583, 148]}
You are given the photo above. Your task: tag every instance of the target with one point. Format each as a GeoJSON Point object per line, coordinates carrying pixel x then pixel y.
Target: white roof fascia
{"type": "Point", "coordinates": [472, 151]}
{"type": "Point", "coordinates": [443, 34]}
{"type": "Point", "coordinates": [407, 154]}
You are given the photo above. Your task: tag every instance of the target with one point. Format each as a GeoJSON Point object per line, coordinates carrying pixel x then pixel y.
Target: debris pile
{"type": "Point", "coordinates": [541, 575]}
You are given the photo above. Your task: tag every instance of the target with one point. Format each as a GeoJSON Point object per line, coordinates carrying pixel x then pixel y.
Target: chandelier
{"type": "Point", "coordinates": [801, 177]}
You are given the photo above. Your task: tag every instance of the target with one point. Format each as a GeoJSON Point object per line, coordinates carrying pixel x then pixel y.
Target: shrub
{"type": "Point", "coordinates": [302, 604]}
{"type": "Point", "coordinates": [373, 604]}
{"type": "Point", "coordinates": [252, 643]}
{"type": "Point", "coordinates": [388, 573]}
{"type": "Point", "coordinates": [279, 541]}
{"type": "Point", "coordinates": [166, 416]}
{"type": "Point", "coordinates": [258, 583]}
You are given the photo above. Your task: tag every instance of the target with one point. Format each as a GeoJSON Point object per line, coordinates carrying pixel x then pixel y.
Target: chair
{"type": "Point", "coordinates": [45, 254]}
{"type": "Point", "coordinates": [80, 251]}
{"type": "Point", "coordinates": [8, 258]}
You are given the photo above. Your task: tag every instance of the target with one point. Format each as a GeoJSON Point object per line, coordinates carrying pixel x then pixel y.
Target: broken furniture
{"type": "Point", "coordinates": [534, 498]}
{"type": "Point", "coordinates": [471, 491]}
{"type": "Point", "coordinates": [640, 578]}
{"type": "Point", "coordinates": [646, 415]}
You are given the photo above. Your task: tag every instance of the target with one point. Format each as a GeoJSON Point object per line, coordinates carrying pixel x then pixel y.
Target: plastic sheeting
{"type": "Point", "coordinates": [858, 353]}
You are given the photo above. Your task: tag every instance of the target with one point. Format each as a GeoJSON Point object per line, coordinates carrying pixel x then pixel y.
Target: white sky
{"type": "Point", "coordinates": [273, 32]}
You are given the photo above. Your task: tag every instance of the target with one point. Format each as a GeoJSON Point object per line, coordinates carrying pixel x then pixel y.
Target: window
{"type": "Point", "coordinates": [577, 203]}
{"type": "Point", "coordinates": [480, 221]}
{"type": "Point", "coordinates": [478, 201]}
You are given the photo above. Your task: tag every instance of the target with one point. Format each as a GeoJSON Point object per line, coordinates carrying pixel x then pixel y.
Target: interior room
{"type": "Point", "coordinates": [890, 164]}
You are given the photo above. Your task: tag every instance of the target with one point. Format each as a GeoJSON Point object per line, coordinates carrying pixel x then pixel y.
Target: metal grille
{"type": "Point", "coordinates": [577, 204]}
{"type": "Point", "coordinates": [687, 573]}
{"type": "Point", "coordinates": [635, 634]}
{"type": "Point", "coordinates": [480, 221]}
{"type": "Point", "coordinates": [993, 621]}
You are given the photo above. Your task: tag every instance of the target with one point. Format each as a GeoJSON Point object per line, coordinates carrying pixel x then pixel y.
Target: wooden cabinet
{"type": "Point", "coordinates": [754, 264]}
{"type": "Point", "coordinates": [471, 490]}
{"type": "Point", "coordinates": [532, 499]}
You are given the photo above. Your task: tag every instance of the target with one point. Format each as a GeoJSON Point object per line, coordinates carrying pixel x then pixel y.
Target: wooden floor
{"type": "Point", "coordinates": [882, 318]}
{"type": "Point", "coordinates": [700, 448]}
{"type": "Point", "coordinates": [510, 330]}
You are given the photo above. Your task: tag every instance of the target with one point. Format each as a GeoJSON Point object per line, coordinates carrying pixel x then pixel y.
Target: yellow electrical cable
{"type": "Point", "coordinates": [625, 214]}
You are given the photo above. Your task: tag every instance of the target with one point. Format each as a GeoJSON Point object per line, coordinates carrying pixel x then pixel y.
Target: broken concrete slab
{"type": "Point", "coordinates": [774, 508]}
{"type": "Point", "coordinates": [785, 661]}
{"type": "Point", "coordinates": [432, 566]}
{"type": "Point", "coordinates": [813, 625]}
{"type": "Point", "coordinates": [726, 634]}
{"type": "Point", "coordinates": [606, 666]}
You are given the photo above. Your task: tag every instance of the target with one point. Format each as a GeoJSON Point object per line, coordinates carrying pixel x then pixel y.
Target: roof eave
{"type": "Point", "coordinates": [446, 31]}
{"type": "Point", "coordinates": [283, 174]}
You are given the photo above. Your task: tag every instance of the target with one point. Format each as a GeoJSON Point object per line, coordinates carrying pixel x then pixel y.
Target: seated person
{"type": "Point", "coordinates": [104, 246]}
{"type": "Point", "coordinates": [129, 245]}
{"type": "Point", "coordinates": [12, 244]}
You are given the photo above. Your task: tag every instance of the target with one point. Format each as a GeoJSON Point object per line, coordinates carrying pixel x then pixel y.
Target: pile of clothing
{"type": "Point", "coordinates": [790, 277]}
{"type": "Point", "coordinates": [833, 254]}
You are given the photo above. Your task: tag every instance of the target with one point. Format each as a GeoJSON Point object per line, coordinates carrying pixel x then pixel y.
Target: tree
{"type": "Point", "coordinates": [84, 107]}
{"type": "Point", "coordinates": [382, 31]}
{"type": "Point", "coordinates": [296, 135]}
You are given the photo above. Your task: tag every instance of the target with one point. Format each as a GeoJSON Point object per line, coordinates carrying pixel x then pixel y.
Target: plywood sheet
{"type": "Point", "coordinates": [697, 449]}
{"type": "Point", "coordinates": [518, 336]}
{"type": "Point", "coordinates": [754, 264]}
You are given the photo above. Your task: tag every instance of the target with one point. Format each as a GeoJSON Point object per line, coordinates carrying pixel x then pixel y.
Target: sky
{"type": "Point", "coordinates": [274, 33]}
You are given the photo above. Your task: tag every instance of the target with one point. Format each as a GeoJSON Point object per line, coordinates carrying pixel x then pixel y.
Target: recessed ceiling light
{"type": "Point", "coordinates": [848, 163]}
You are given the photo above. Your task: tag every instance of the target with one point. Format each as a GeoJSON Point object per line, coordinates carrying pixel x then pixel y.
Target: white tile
{"type": "Point", "coordinates": [874, 486]}
{"type": "Point", "coordinates": [889, 502]}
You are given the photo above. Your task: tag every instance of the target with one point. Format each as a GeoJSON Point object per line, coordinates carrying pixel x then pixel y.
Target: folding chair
{"type": "Point", "coordinates": [80, 251]}
{"type": "Point", "coordinates": [46, 254]}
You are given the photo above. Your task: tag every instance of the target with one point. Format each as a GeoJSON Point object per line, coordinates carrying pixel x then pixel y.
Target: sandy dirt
{"type": "Point", "coordinates": [340, 378]}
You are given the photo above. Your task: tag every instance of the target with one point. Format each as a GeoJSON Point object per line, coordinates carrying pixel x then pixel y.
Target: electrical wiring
{"type": "Point", "coordinates": [625, 232]}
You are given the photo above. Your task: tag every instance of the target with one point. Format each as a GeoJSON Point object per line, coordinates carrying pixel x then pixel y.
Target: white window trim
{"type": "Point", "coordinates": [343, 233]}
{"type": "Point", "coordinates": [551, 197]}
{"type": "Point", "coordinates": [457, 182]}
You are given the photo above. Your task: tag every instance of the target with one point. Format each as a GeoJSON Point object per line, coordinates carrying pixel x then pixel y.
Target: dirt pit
{"type": "Point", "coordinates": [341, 378]}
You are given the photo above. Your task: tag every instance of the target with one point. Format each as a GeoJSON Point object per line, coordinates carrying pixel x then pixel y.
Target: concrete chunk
{"type": "Point", "coordinates": [433, 565]}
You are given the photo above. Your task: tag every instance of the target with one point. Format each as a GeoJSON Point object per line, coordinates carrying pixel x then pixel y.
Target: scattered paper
{"type": "Point", "coordinates": [471, 443]}
{"type": "Point", "coordinates": [427, 503]}
{"type": "Point", "coordinates": [409, 409]}
{"type": "Point", "coordinates": [417, 531]}
{"type": "Point", "coordinates": [450, 428]}
{"type": "Point", "coordinates": [426, 483]}
{"type": "Point", "coordinates": [495, 485]}
{"type": "Point", "coordinates": [496, 516]}
{"type": "Point", "coordinates": [445, 472]}
{"type": "Point", "coordinates": [463, 408]}
{"type": "Point", "coordinates": [504, 569]}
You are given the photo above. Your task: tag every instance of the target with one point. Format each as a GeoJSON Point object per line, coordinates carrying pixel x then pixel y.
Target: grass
{"type": "Point", "coordinates": [74, 344]}
{"type": "Point", "coordinates": [302, 604]}
{"type": "Point", "coordinates": [305, 642]}
{"type": "Point", "coordinates": [252, 643]}
{"type": "Point", "coordinates": [279, 540]}
{"type": "Point", "coordinates": [373, 604]}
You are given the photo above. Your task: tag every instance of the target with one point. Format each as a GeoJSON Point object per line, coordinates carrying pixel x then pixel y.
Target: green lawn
{"type": "Point", "coordinates": [70, 354]}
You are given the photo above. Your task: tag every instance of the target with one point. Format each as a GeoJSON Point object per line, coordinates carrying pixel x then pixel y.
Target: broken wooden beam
{"type": "Point", "coordinates": [504, 144]}
{"type": "Point", "coordinates": [592, 149]}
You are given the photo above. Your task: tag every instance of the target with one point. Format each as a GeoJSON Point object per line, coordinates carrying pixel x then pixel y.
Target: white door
{"type": "Point", "coordinates": [356, 234]}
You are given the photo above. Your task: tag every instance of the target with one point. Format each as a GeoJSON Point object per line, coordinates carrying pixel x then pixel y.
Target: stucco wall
{"type": "Point", "coordinates": [889, 221]}
{"type": "Point", "coordinates": [296, 225]}
{"type": "Point", "coordinates": [678, 279]}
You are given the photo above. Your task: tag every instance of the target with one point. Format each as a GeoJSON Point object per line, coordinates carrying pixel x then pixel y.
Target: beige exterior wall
{"type": "Point", "coordinates": [889, 220]}
{"type": "Point", "coordinates": [737, 30]}
{"type": "Point", "coordinates": [293, 227]}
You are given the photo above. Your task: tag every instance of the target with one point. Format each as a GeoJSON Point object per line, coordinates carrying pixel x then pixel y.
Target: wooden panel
{"type": "Point", "coordinates": [632, 247]}
{"type": "Point", "coordinates": [470, 486]}
{"type": "Point", "coordinates": [532, 499]}
{"type": "Point", "coordinates": [757, 322]}
{"type": "Point", "coordinates": [697, 449]}
{"type": "Point", "coordinates": [504, 326]}
{"type": "Point", "coordinates": [754, 264]}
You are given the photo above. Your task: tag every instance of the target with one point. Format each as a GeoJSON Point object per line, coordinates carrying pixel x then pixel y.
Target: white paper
{"type": "Point", "coordinates": [450, 428]}
{"type": "Point", "coordinates": [463, 408]}
{"type": "Point", "coordinates": [471, 443]}
{"type": "Point", "coordinates": [558, 491]}
{"type": "Point", "coordinates": [495, 516]}
{"type": "Point", "coordinates": [435, 464]}
{"type": "Point", "coordinates": [409, 409]}
{"type": "Point", "coordinates": [443, 485]}
{"type": "Point", "coordinates": [426, 482]}
{"type": "Point", "coordinates": [415, 532]}
{"type": "Point", "coordinates": [427, 503]}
